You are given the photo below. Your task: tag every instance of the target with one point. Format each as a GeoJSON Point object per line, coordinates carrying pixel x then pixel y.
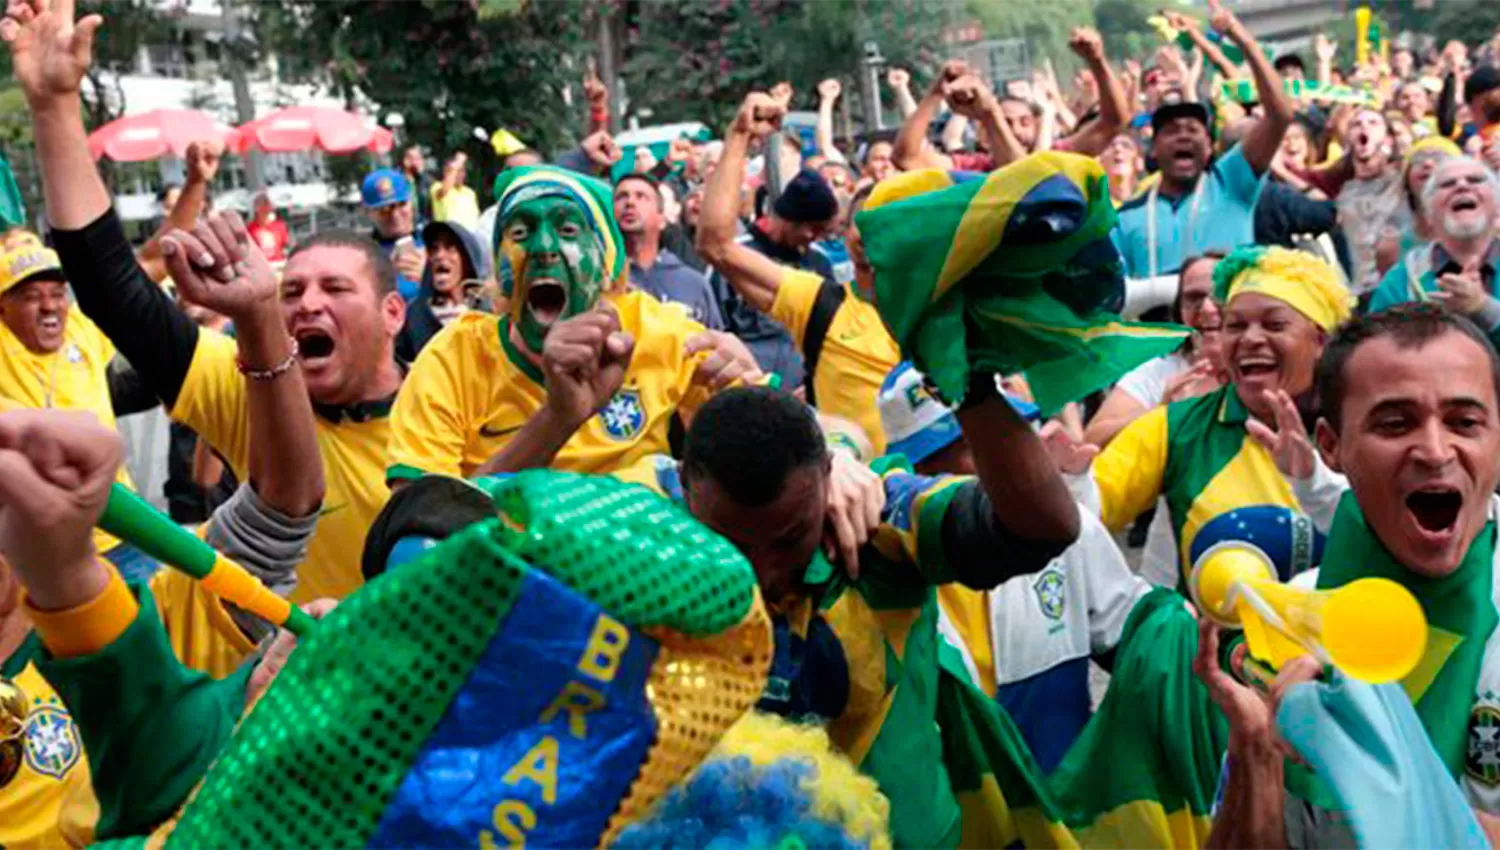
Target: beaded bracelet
{"type": "Point", "coordinates": [274, 372]}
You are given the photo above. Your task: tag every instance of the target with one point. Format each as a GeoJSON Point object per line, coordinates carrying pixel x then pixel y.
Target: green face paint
{"type": "Point", "coordinates": [557, 265]}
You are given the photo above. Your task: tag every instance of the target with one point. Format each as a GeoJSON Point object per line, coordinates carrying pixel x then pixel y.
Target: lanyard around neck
{"type": "Point", "coordinates": [1151, 197]}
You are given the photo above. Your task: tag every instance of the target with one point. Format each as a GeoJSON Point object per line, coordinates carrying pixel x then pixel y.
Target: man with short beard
{"type": "Point", "coordinates": [1460, 202]}
{"type": "Point", "coordinates": [1203, 203]}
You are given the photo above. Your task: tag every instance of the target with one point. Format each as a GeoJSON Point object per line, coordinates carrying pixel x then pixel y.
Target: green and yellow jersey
{"type": "Point", "coordinates": [471, 390]}
{"type": "Point", "coordinates": [857, 351]}
{"type": "Point", "coordinates": [47, 797]}
{"type": "Point", "coordinates": [213, 401]}
{"type": "Point", "coordinates": [1199, 456]}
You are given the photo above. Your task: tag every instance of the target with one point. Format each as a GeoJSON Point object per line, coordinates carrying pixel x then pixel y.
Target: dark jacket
{"type": "Point", "coordinates": [422, 323]}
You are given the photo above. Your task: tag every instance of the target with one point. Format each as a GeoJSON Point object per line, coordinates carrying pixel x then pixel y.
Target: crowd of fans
{"type": "Point", "coordinates": [722, 326]}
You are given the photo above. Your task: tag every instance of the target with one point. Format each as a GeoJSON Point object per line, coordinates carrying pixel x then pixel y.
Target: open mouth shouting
{"type": "Point", "coordinates": [1257, 367]}
{"type": "Point", "coordinates": [1432, 511]}
{"type": "Point", "coordinates": [50, 324]}
{"type": "Point", "coordinates": [315, 346]}
{"type": "Point", "coordinates": [547, 299]}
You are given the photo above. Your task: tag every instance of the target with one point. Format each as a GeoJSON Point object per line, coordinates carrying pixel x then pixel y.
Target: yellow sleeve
{"type": "Point", "coordinates": [1129, 470]}
{"type": "Point", "coordinates": [96, 338]}
{"type": "Point", "coordinates": [795, 296]}
{"type": "Point", "coordinates": [429, 423]}
{"type": "Point", "coordinates": [203, 635]}
{"type": "Point", "coordinates": [89, 627]}
{"type": "Point", "coordinates": [213, 400]}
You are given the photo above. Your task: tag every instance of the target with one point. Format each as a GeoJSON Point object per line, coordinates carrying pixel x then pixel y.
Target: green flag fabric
{"type": "Point", "coordinates": [1460, 618]}
{"type": "Point", "coordinates": [1010, 273]}
{"type": "Point", "coordinates": [1143, 773]}
{"type": "Point", "coordinates": [12, 208]}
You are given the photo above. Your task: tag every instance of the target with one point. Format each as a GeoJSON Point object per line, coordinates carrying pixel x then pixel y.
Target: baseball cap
{"type": "Point", "coordinates": [26, 262]}
{"type": "Point", "coordinates": [1181, 109]}
{"type": "Point", "coordinates": [384, 187]}
{"type": "Point", "coordinates": [1484, 79]}
{"type": "Point", "coordinates": [916, 423]}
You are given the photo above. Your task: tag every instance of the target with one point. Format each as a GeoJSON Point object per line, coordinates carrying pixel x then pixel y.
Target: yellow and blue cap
{"type": "Point", "coordinates": [28, 261]}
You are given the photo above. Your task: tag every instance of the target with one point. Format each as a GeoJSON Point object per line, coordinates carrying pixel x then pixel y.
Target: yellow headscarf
{"type": "Point", "coordinates": [1298, 279]}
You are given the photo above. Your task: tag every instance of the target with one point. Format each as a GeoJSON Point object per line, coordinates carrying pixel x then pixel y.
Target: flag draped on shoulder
{"type": "Point", "coordinates": [1142, 774]}
{"type": "Point", "coordinates": [1010, 273]}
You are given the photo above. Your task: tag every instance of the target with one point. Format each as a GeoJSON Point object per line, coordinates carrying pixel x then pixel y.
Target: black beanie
{"type": "Point", "coordinates": [808, 198]}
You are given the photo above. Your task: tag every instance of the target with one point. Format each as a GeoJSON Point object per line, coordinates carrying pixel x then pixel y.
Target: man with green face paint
{"type": "Point", "coordinates": [577, 354]}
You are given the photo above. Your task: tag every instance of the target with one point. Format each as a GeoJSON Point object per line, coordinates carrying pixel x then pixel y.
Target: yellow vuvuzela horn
{"type": "Point", "coordinates": [1372, 629]}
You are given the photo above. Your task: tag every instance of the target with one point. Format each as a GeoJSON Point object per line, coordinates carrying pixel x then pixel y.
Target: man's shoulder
{"type": "Point", "coordinates": [470, 331]}
{"type": "Point", "coordinates": [1134, 206]}
{"type": "Point", "coordinates": [654, 321]}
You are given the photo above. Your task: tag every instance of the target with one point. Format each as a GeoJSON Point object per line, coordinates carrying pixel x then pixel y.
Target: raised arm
{"type": "Point", "coordinates": [1026, 491]}
{"type": "Point", "coordinates": [1262, 140]}
{"type": "Point", "coordinates": [1204, 44]}
{"type": "Point", "coordinates": [752, 274]}
{"type": "Point", "coordinates": [911, 151]}
{"type": "Point", "coordinates": [202, 166]}
{"type": "Point", "coordinates": [1095, 136]}
{"type": "Point", "coordinates": [900, 82]}
{"type": "Point", "coordinates": [969, 96]}
{"type": "Point", "coordinates": [452, 175]}
{"type": "Point", "coordinates": [828, 94]}
{"type": "Point", "coordinates": [286, 469]}
{"type": "Point", "coordinates": [50, 56]}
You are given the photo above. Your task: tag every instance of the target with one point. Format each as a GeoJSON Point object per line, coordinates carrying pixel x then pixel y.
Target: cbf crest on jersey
{"type": "Point", "coordinates": [1482, 762]}
{"type": "Point", "coordinates": [624, 416]}
{"type": "Point", "coordinates": [1049, 593]}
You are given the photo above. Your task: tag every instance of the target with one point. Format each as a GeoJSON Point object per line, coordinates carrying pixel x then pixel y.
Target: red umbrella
{"type": "Point", "coordinates": [303, 128]}
{"type": "Point", "coordinates": [154, 134]}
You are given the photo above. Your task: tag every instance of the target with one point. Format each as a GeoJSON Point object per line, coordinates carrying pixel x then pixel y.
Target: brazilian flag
{"type": "Point", "coordinates": [1006, 274]}
{"type": "Point", "coordinates": [542, 677]}
{"type": "Point", "coordinates": [1142, 774]}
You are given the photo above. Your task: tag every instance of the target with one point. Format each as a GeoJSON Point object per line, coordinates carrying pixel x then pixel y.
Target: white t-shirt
{"type": "Point", "coordinates": [1147, 383]}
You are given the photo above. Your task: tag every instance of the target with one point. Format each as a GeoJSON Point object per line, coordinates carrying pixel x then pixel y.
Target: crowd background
{"type": "Point", "coordinates": [800, 336]}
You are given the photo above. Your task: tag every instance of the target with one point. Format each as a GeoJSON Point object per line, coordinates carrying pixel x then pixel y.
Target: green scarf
{"type": "Point", "coordinates": [1460, 618]}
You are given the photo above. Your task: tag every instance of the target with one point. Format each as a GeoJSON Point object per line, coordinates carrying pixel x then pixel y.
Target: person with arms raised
{"type": "Point", "coordinates": [339, 306]}
{"type": "Point", "coordinates": [845, 346]}
{"type": "Point", "coordinates": [1200, 202]}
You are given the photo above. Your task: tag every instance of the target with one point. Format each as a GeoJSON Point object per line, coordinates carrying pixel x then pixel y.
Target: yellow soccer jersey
{"type": "Point", "coordinates": [857, 354]}
{"type": "Point", "coordinates": [470, 391]}
{"type": "Point", "coordinates": [72, 378]}
{"type": "Point", "coordinates": [214, 403]}
{"type": "Point", "coordinates": [46, 796]}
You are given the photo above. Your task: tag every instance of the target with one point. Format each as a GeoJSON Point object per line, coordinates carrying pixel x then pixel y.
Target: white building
{"type": "Point", "coordinates": [186, 73]}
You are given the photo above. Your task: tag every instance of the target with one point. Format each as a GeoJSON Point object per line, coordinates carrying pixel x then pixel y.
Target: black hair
{"type": "Point", "coordinates": [1289, 60]}
{"type": "Point", "coordinates": [1182, 271]}
{"type": "Point", "coordinates": [748, 440]}
{"type": "Point", "coordinates": [649, 181]}
{"type": "Point", "coordinates": [1409, 326]}
{"type": "Point", "coordinates": [379, 260]}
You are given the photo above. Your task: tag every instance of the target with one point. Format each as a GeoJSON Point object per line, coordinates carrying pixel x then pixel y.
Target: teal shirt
{"type": "Point", "coordinates": [1415, 279]}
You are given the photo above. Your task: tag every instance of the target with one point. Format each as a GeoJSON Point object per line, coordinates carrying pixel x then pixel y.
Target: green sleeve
{"type": "Point", "coordinates": [150, 725]}
{"type": "Point", "coordinates": [1393, 289]}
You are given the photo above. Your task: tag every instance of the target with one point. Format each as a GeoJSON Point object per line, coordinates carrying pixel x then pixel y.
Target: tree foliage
{"type": "Point", "coordinates": [446, 67]}
{"type": "Point", "coordinates": [695, 60]}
